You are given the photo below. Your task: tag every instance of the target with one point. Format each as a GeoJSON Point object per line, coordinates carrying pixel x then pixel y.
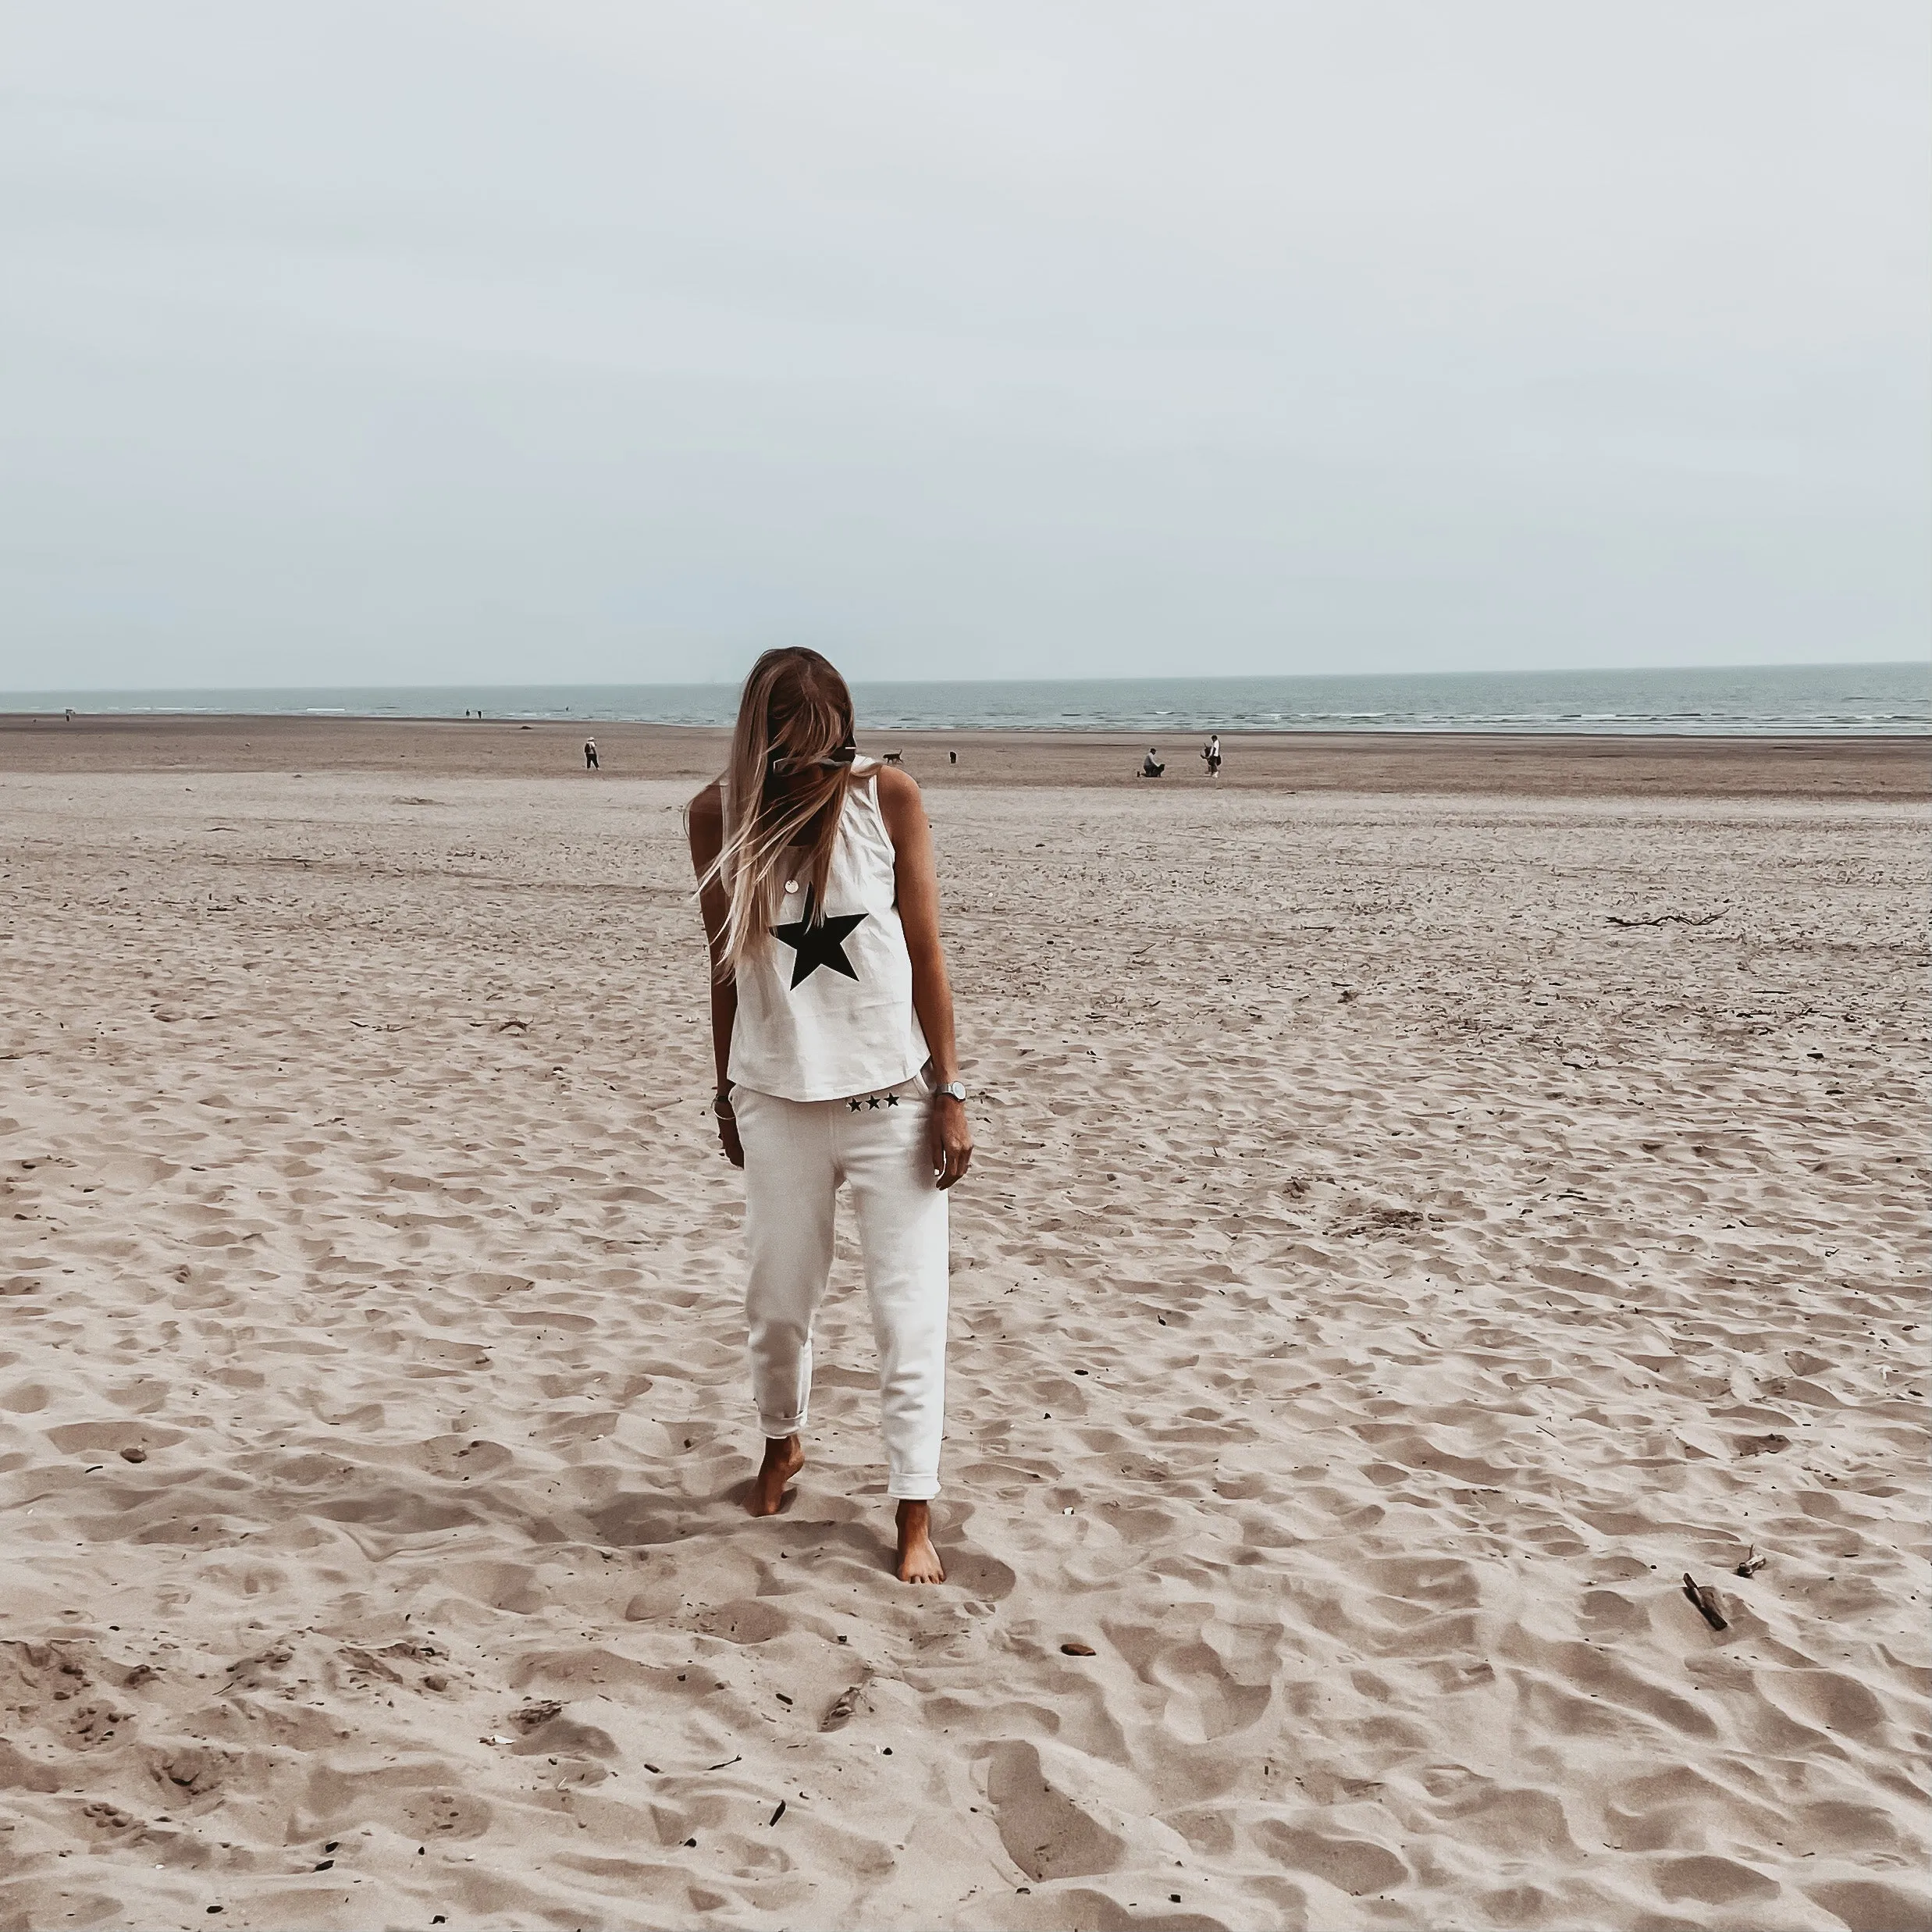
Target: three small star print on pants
{"type": "Point", "coordinates": [875, 1101]}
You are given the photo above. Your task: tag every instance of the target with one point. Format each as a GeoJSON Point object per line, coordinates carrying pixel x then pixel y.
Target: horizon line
{"type": "Point", "coordinates": [1566, 671]}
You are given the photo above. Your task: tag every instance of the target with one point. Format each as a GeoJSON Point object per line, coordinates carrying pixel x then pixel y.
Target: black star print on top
{"type": "Point", "coordinates": [820, 945]}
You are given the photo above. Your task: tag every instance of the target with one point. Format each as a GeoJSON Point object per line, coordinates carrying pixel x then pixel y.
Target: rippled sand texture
{"type": "Point", "coordinates": [1386, 1275]}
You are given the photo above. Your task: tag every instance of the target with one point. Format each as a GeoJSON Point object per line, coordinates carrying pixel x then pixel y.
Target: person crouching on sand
{"type": "Point", "coordinates": [831, 1024]}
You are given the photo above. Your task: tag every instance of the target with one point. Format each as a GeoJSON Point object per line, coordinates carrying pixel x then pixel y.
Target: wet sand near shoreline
{"type": "Point", "coordinates": [1581, 766]}
{"type": "Point", "coordinates": [1413, 1226]}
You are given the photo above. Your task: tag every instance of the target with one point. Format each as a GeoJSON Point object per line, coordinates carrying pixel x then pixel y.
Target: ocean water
{"type": "Point", "coordinates": [1779, 700]}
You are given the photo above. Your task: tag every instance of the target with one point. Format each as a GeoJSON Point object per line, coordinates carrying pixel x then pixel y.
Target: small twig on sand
{"type": "Point", "coordinates": [1752, 1563]}
{"type": "Point", "coordinates": [1706, 1602]}
{"type": "Point", "coordinates": [1672, 919]}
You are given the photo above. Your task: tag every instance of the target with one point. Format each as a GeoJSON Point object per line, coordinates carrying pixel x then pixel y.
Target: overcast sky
{"type": "Point", "coordinates": [534, 340]}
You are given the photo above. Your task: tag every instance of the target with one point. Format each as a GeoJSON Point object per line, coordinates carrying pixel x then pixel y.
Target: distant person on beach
{"type": "Point", "coordinates": [1211, 752]}
{"type": "Point", "coordinates": [1150, 766]}
{"type": "Point", "coordinates": [832, 1032]}
{"type": "Point", "coordinates": [590, 754]}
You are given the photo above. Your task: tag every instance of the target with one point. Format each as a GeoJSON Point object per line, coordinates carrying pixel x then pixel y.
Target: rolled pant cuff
{"type": "Point", "coordinates": [777, 1430]}
{"type": "Point", "coordinates": [912, 1488]}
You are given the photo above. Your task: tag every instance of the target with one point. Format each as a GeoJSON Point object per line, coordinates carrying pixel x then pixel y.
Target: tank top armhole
{"type": "Point", "coordinates": [868, 787]}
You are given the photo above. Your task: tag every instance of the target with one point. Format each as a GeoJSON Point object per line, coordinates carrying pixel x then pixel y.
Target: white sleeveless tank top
{"type": "Point", "coordinates": [826, 1010]}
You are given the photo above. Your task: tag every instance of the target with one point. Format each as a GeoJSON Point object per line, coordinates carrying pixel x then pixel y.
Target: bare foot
{"type": "Point", "coordinates": [919, 1562]}
{"type": "Point", "coordinates": [785, 1456]}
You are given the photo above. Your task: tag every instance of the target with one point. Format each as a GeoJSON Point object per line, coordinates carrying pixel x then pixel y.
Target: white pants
{"type": "Point", "coordinates": [797, 1153]}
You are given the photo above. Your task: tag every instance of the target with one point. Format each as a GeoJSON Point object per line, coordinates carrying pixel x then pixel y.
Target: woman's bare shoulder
{"type": "Point", "coordinates": [704, 825]}
{"type": "Point", "coordinates": [897, 787]}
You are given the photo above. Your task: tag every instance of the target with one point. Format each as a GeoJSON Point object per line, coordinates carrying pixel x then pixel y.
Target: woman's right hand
{"type": "Point", "coordinates": [727, 1139]}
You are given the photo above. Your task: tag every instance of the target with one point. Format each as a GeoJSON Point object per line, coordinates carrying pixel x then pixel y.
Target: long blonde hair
{"type": "Point", "coordinates": [792, 758]}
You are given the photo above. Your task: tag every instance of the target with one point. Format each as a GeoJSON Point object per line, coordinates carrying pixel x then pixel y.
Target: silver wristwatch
{"type": "Point", "coordinates": [953, 1090]}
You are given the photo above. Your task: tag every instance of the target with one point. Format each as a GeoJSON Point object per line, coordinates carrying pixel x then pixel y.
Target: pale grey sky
{"type": "Point", "coordinates": [612, 341]}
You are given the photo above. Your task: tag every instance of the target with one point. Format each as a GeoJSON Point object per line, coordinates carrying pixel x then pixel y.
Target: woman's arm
{"type": "Point", "coordinates": [706, 827]}
{"type": "Point", "coordinates": [916, 874]}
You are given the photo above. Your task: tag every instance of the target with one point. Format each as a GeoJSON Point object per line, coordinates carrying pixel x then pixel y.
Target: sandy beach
{"type": "Point", "coordinates": [1460, 764]}
{"type": "Point", "coordinates": [1432, 1195]}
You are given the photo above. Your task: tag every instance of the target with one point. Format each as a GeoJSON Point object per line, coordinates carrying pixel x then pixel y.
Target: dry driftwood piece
{"type": "Point", "coordinates": [1706, 1599]}
{"type": "Point", "coordinates": [1752, 1563]}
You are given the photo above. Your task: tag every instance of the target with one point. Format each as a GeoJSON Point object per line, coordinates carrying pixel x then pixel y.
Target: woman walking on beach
{"type": "Point", "coordinates": [831, 1024]}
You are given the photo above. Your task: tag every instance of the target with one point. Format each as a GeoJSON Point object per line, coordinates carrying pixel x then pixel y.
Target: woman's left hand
{"type": "Point", "coordinates": [952, 1140]}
